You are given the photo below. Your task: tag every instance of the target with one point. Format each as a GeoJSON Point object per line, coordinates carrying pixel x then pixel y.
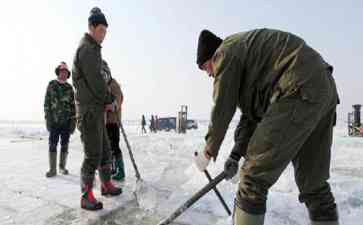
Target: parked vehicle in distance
{"type": "Point", "coordinates": [167, 123]}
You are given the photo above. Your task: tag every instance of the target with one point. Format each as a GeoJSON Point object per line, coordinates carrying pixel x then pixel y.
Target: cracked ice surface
{"type": "Point", "coordinates": [169, 179]}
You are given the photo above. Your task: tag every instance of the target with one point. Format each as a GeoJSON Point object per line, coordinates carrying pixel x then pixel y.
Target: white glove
{"type": "Point", "coordinates": [201, 161]}
{"type": "Point", "coordinates": [114, 106]}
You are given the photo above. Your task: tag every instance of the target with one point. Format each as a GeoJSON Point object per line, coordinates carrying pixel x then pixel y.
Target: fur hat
{"type": "Point", "coordinates": [62, 66]}
{"type": "Point", "coordinates": [207, 46]}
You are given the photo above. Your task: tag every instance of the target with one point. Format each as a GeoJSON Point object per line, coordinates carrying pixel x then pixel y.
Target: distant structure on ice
{"type": "Point", "coordinates": [354, 122]}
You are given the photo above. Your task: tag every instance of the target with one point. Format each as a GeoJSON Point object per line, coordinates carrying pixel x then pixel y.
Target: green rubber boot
{"type": "Point", "coordinates": [120, 171]}
{"type": "Point", "coordinates": [107, 187]}
{"type": "Point", "coordinates": [63, 160]}
{"type": "Point", "coordinates": [52, 164]}
{"type": "Point", "coordinates": [243, 218]}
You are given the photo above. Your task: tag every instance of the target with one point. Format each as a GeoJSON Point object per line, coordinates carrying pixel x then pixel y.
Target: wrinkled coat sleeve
{"type": "Point", "coordinates": [116, 91]}
{"type": "Point", "coordinates": [242, 135]}
{"type": "Point", "coordinates": [47, 104]}
{"type": "Point", "coordinates": [90, 64]}
{"type": "Point", "coordinates": [226, 69]}
{"type": "Point", "coordinates": [73, 107]}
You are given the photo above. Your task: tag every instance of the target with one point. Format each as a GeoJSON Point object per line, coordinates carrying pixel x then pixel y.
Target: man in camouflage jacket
{"type": "Point", "coordinates": [59, 109]}
{"type": "Point", "coordinates": [287, 96]}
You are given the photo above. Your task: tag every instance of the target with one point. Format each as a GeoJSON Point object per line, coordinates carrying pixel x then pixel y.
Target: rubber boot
{"type": "Point", "coordinates": [120, 170]}
{"type": "Point", "coordinates": [88, 200]}
{"type": "Point", "coordinates": [324, 223]}
{"type": "Point", "coordinates": [52, 163]}
{"type": "Point", "coordinates": [243, 218]}
{"type": "Point", "coordinates": [107, 188]}
{"type": "Point", "coordinates": [63, 160]}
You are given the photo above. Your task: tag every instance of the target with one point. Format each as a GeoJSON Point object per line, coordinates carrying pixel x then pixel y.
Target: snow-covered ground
{"type": "Point", "coordinates": [169, 179]}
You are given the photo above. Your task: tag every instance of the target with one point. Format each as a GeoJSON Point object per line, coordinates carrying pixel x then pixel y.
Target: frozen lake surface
{"type": "Point", "coordinates": [169, 179]}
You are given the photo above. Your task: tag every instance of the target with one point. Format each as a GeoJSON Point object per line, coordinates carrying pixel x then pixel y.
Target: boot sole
{"type": "Point", "coordinates": [111, 194]}
{"type": "Point", "coordinates": [49, 176]}
{"type": "Point", "coordinates": [92, 209]}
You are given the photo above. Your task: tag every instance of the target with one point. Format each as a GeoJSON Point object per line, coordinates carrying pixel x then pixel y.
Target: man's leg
{"type": "Point", "coordinates": [65, 135]}
{"type": "Point", "coordinates": [91, 127]}
{"type": "Point", "coordinates": [110, 134]}
{"type": "Point", "coordinates": [52, 153]}
{"type": "Point", "coordinates": [107, 188]}
{"type": "Point", "coordinates": [286, 126]}
{"type": "Point", "coordinates": [115, 146]}
{"type": "Point", "coordinates": [312, 165]}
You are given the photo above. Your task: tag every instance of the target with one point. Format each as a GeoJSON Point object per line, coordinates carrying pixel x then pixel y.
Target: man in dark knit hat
{"type": "Point", "coordinates": [287, 96]}
{"type": "Point", "coordinates": [93, 101]}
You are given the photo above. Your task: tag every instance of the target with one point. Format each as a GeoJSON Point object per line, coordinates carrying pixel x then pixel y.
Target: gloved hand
{"type": "Point", "coordinates": [230, 168]}
{"type": "Point", "coordinates": [114, 106]}
{"type": "Point", "coordinates": [201, 161]}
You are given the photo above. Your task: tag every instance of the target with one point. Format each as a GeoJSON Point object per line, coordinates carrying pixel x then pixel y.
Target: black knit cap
{"type": "Point", "coordinates": [207, 46]}
{"type": "Point", "coordinates": [96, 17]}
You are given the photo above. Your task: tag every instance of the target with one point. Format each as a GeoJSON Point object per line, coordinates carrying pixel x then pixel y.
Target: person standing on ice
{"type": "Point", "coordinates": [113, 122]}
{"type": "Point", "coordinates": [93, 101]}
{"type": "Point", "coordinates": [60, 117]}
{"type": "Point", "coordinates": [143, 124]}
{"type": "Point", "coordinates": [287, 96]}
{"type": "Point", "coordinates": [152, 124]}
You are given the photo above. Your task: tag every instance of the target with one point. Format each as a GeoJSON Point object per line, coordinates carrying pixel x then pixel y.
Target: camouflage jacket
{"type": "Point", "coordinates": [91, 88]}
{"type": "Point", "coordinates": [59, 105]}
{"type": "Point", "coordinates": [251, 70]}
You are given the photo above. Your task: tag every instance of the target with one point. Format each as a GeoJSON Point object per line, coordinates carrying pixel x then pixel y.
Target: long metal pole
{"type": "Point", "coordinates": [137, 174]}
{"type": "Point", "coordinates": [193, 199]}
{"type": "Point", "coordinates": [225, 206]}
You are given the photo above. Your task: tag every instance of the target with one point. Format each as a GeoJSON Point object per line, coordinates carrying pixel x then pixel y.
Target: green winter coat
{"type": "Point", "coordinates": [59, 105]}
{"type": "Point", "coordinates": [91, 89]}
{"type": "Point", "coordinates": [247, 68]}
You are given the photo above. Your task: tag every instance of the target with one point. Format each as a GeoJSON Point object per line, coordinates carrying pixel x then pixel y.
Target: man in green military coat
{"type": "Point", "coordinates": [93, 101]}
{"type": "Point", "coordinates": [287, 96]}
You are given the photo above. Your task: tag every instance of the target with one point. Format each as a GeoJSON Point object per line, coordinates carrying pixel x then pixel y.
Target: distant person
{"type": "Point", "coordinates": [156, 123]}
{"type": "Point", "coordinates": [288, 97]}
{"type": "Point", "coordinates": [143, 124]}
{"type": "Point", "coordinates": [152, 124]}
{"type": "Point", "coordinates": [113, 124]}
{"type": "Point", "coordinates": [93, 101]}
{"type": "Point", "coordinates": [60, 117]}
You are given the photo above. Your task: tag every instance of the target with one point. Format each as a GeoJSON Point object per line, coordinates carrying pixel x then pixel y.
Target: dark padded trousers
{"type": "Point", "coordinates": [57, 132]}
{"type": "Point", "coordinates": [296, 128]}
{"type": "Point", "coordinates": [97, 150]}
{"type": "Point", "coordinates": [113, 131]}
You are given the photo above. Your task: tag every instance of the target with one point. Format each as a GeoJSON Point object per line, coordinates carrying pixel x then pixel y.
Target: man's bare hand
{"type": "Point", "coordinates": [108, 108]}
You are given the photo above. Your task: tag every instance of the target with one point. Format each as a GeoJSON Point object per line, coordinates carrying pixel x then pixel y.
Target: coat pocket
{"type": "Point", "coordinates": [307, 106]}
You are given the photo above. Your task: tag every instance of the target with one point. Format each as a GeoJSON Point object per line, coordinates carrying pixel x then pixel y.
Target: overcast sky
{"type": "Point", "coordinates": [151, 47]}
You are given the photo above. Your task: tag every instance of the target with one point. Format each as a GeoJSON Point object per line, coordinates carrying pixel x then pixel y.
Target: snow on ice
{"type": "Point", "coordinates": [169, 178]}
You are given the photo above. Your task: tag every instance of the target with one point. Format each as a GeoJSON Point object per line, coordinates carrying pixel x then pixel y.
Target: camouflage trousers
{"type": "Point", "coordinates": [296, 128]}
{"type": "Point", "coordinates": [97, 150]}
